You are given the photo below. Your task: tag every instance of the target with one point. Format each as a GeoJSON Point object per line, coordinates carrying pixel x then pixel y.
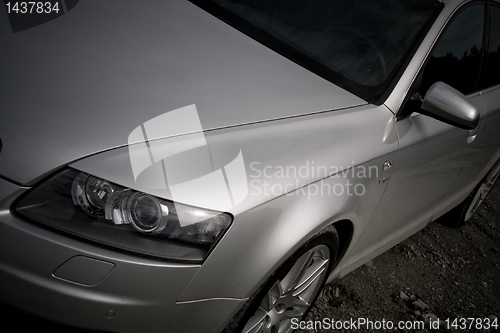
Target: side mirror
{"type": "Point", "coordinates": [447, 104]}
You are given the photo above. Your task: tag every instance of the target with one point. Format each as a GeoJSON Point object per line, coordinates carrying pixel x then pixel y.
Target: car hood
{"type": "Point", "coordinates": [81, 83]}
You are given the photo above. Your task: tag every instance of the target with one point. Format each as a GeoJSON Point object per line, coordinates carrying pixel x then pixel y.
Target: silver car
{"type": "Point", "coordinates": [206, 166]}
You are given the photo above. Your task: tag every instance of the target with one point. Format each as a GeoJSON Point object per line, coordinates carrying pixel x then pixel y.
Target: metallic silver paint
{"type": "Point", "coordinates": [324, 138]}
{"type": "Point", "coordinates": [275, 111]}
{"type": "Point", "coordinates": [30, 269]}
{"type": "Point", "coordinates": [66, 79]}
{"type": "Point", "coordinates": [449, 104]}
{"type": "Point", "coordinates": [83, 270]}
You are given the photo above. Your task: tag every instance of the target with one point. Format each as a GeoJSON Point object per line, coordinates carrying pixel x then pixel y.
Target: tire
{"type": "Point", "coordinates": [461, 214]}
{"type": "Point", "coordinates": [293, 288]}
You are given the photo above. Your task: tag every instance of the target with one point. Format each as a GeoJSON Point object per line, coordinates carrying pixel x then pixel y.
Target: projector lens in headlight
{"type": "Point", "coordinates": [110, 214]}
{"type": "Point", "coordinates": [91, 193]}
{"type": "Point", "coordinates": [147, 214]}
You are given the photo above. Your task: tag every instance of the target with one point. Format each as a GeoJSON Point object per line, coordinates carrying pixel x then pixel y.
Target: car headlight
{"type": "Point", "coordinates": [100, 211]}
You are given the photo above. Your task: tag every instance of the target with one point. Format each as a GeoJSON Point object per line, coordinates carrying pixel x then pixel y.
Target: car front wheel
{"type": "Point", "coordinates": [288, 296]}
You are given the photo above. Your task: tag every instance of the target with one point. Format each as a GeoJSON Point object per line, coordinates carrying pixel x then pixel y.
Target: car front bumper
{"type": "Point", "coordinates": [80, 284]}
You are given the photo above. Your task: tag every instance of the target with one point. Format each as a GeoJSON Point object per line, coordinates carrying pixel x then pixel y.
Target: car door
{"type": "Point", "coordinates": [487, 142]}
{"type": "Point", "coordinates": [489, 136]}
{"type": "Point", "coordinates": [431, 152]}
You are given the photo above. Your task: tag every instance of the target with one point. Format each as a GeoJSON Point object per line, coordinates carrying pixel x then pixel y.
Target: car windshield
{"type": "Point", "coordinates": [357, 44]}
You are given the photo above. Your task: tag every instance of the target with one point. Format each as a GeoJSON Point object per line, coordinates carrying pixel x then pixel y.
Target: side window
{"type": "Point", "coordinates": [456, 59]}
{"type": "Point", "coordinates": [492, 76]}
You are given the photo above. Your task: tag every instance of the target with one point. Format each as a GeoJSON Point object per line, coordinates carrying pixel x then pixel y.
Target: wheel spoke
{"type": "Point", "coordinates": [292, 296]}
{"type": "Point", "coordinates": [271, 297]}
{"type": "Point", "coordinates": [297, 271]}
{"type": "Point", "coordinates": [310, 283]}
{"type": "Point", "coordinates": [299, 301]}
{"type": "Point", "coordinates": [311, 275]}
{"type": "Point", "coordinates": [255, 323]}
{"type": "Point", "coordinates": [295, 312]}
{"type": "Point", "coordinates": [494, 175]}
{"type": "Point", "coordinates": [472, 208]}
{"type": "Point", "coordinates": [478, 199]}
{"type": "Point", "coordinates": [482, 193]}
{"type": "Point", "coordinates": [285, 326]}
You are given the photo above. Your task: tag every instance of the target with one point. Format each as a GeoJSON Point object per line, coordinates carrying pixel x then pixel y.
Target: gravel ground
{"type": "Point", "coordinates": [439, 272]}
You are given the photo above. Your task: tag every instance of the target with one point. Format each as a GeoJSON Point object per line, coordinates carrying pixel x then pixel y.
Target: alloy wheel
{"type": "Point", "coordinates": [482, 192]}
{"type": "Point", "coordinates": [292, 296]}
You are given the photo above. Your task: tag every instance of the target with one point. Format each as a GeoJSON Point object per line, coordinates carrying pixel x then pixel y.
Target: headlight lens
{"type": "Point", "coordinates": [91, 193]}
{"type": "Point", "coordinates": [104, 212]}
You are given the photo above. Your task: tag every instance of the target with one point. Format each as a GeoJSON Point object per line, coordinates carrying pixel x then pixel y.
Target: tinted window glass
{"type": "Point", "coordinates": [493, 66]}
{"type": "Point", "coordinates": [357, 44]}
{"type": "Point", "coordinates": [457, 57]}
